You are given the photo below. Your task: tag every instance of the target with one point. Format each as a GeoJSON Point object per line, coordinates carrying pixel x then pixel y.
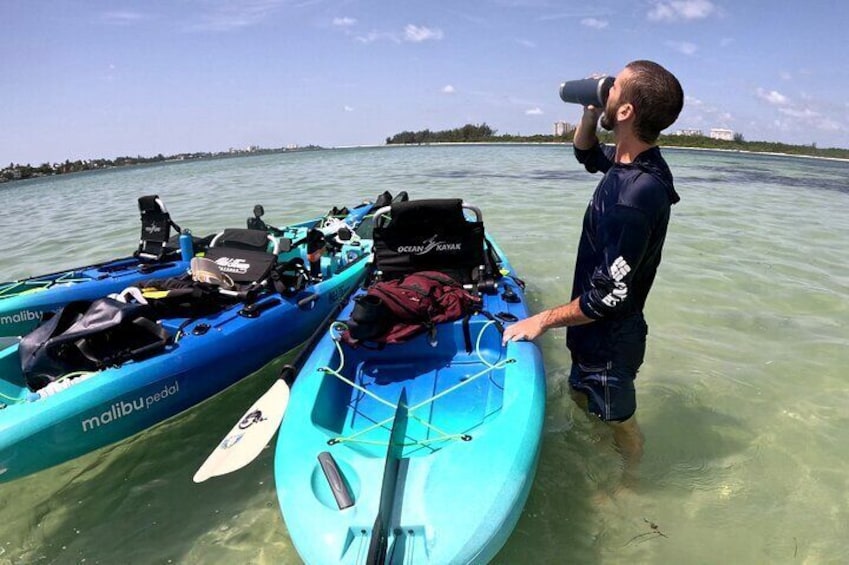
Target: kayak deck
{"type": "Point", "coordinates": [469, 452]}
{"type": "Point", "coordinates": [449, 393]}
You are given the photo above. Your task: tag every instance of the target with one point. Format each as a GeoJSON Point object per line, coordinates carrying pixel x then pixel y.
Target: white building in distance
{"type": "Point", "coordinates": [563, 128]}
{"type": "Point", "coordinates": [689, 132]}
{"type": "Point", "coordinates": [722, 133]}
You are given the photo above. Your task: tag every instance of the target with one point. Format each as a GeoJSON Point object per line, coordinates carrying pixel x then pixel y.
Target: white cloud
{"type": "Point", "coordinates": [678, 10]}
{"type": "Point", "coordinates": [228, 16]}
{"type": "Point", "coordinates": [448, 89]}
{"type": "Point", "coordinates": [526, 43]}
{"type": "Point", "coordinates": [411, 33]}
{"type": "Point", "coordinates": [348, 108]}
{"type": "Point", "coordinates": [772, 97]}
{"type": "Point", "coordinates": [373, 36]}
{"type": "Point", "coordinates": [122, 17]}
{"type": "Point", "coordinates": [594, 23]}
{"type": "Point", "coordinates": [796, 115]}
{"type": "Point", "coordinates": [534, 112]}
{"type": "Point", "coordinates": [801, 113]}
{"type": "Point", "coordinates": [344, 22]}
{"type": "Point", "coordinates": [576, 14]}
{"type": "Point", "coordinates": [684, 47]}
{"type": "Point", "coordinates": [784, 75]}
{"type": "Point", "coordinates": [417, 34]}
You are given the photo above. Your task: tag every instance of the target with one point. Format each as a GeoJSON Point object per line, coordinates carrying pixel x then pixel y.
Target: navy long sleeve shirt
{"type": "Point", "coordinates": [620, 248]}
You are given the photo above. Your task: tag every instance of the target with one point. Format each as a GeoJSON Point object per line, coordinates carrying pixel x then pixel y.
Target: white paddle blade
{"type": "Point", "coordinates": [249, 436]}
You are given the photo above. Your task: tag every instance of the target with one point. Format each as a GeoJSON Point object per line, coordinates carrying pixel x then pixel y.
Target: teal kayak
{"type": "Point", "coordinates": [200, 355]}
{"type": "Point", "coordinates": [415, 452]}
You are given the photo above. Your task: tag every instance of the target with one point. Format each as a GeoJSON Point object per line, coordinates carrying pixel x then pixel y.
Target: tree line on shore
{"type": "Point", "coordinates": [21, 172]}
{"type": "Point", "coordinates": [482, 133]}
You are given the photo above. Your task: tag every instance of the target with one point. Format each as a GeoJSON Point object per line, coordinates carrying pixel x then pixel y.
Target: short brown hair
{"type": "Point", "coordinates": [657, 98]}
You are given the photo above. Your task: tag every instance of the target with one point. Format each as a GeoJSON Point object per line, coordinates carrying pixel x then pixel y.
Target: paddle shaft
{"type": "Point", "coordinates": [378, 545]}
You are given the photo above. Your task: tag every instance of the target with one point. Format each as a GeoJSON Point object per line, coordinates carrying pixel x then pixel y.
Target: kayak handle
{"type": "Point", "coordinates": [307, 300]}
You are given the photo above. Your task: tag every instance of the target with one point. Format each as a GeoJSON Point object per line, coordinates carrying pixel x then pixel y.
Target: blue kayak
{"type": "Point", "coordinates": [23, 302]}
{"type": "Point", "coordinates": [198, 356]}
{"type": "Point", "coordinates": [415, 452]}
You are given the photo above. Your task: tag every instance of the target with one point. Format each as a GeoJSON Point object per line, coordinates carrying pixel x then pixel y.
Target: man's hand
{"type": "Point", "coordinates": [591, 116]}
{"type": "Point", "coordinates": [524, 330]}
{"type": "Point", "coordinates": [531, 328]}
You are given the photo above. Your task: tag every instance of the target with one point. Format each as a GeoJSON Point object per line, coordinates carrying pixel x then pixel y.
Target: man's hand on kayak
{"type": "Point", "coordinates": [524, 330]}
{"type": "Point", "coordinates": [531, 328]}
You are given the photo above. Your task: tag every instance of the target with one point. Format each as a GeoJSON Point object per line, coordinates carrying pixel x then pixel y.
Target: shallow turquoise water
{"type": "Point", "coordinates": [742, 397]}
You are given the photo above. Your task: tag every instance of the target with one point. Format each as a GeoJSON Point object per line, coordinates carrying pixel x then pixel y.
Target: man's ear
{"type": "Point", "coordinates": [625, 112]}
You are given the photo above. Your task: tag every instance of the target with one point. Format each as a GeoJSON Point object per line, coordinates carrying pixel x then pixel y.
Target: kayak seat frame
{"type": "Point", "coordinates": [247, 239]}
{"type": "Point", "coordinates": [156, 224]}
{"type": "Point", "coordinates": [431, 235]}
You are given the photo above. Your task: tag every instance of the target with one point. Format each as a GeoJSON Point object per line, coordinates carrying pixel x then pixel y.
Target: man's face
{"type": "Point", "coordinates": [609, 118]}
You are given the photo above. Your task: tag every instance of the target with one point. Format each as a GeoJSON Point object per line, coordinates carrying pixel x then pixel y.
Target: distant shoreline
{"type": "Point", "coordinates": [750, 152]}
{"type": "Point", "coordinates": [485, 134]}
{"type": "Point", "coordinates": [569, 143]}
{"type": "Point", "coordinates": [206, 157]}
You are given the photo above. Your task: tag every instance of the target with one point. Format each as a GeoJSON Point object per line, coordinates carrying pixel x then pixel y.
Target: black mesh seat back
{"type": "Point", "coordinates": [155, 228]}
{"type": "Point", "coordinates": [244, 266]}
{"type": "Point", "coordinates": [429, 235]}
{"type": "Point", "coordinates": [239, 238]}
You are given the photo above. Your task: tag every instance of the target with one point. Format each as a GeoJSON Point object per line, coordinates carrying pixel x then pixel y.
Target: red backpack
{"type": "Point", "coordinates": [394, 311]}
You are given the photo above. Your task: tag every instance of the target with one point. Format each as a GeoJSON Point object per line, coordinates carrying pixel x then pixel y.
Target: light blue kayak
{"type": "Point", "coordinates": [426, 449]}
{"type": "Point", "coordinates": [203, 355]}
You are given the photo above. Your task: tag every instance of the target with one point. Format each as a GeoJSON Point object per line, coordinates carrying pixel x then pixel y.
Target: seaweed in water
{"type": "Point", "coordinates": [654, 532]}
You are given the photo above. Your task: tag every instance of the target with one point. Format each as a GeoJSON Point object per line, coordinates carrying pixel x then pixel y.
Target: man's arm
{"type": "Point", "coordinates": [560, 316]}
{"type": "Point", "coordinates": [585, 134]}
{"type": "Point", "coordinates": [593, 156]}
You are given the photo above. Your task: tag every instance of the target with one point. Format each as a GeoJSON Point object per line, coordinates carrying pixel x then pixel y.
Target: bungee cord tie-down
{"type": "Point", "coordinates": [443, 435]}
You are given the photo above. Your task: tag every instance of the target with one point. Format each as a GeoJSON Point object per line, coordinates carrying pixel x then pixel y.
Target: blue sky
{"type": "Point", "coordinates": [85, 78]}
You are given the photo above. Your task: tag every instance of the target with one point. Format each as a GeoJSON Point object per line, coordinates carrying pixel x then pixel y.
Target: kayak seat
{"type": "Point", "coordinates": [245, 267]}
{"type": "Point", "coordinates": [430, 235]}
{"type": "Point", "coordinates": [248, 239]}
{"type": "Point", "coordinates": [251, 268]}
{"type": "Point", "coordinates": [430, 261]}
{"type": "Point", "coordinates": [156, 224]}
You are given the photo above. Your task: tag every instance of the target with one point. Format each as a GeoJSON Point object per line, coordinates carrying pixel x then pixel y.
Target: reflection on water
{"type": "Point", "coordinates": [742, 397]}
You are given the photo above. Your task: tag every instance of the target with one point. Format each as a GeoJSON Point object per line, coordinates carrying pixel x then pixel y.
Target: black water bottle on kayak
{"type": "Point", "coordinates": [587, 91]}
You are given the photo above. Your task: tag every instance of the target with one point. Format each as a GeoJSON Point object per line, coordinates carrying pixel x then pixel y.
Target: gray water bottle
{"type": "Point", "coordinates": [587, 91]}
